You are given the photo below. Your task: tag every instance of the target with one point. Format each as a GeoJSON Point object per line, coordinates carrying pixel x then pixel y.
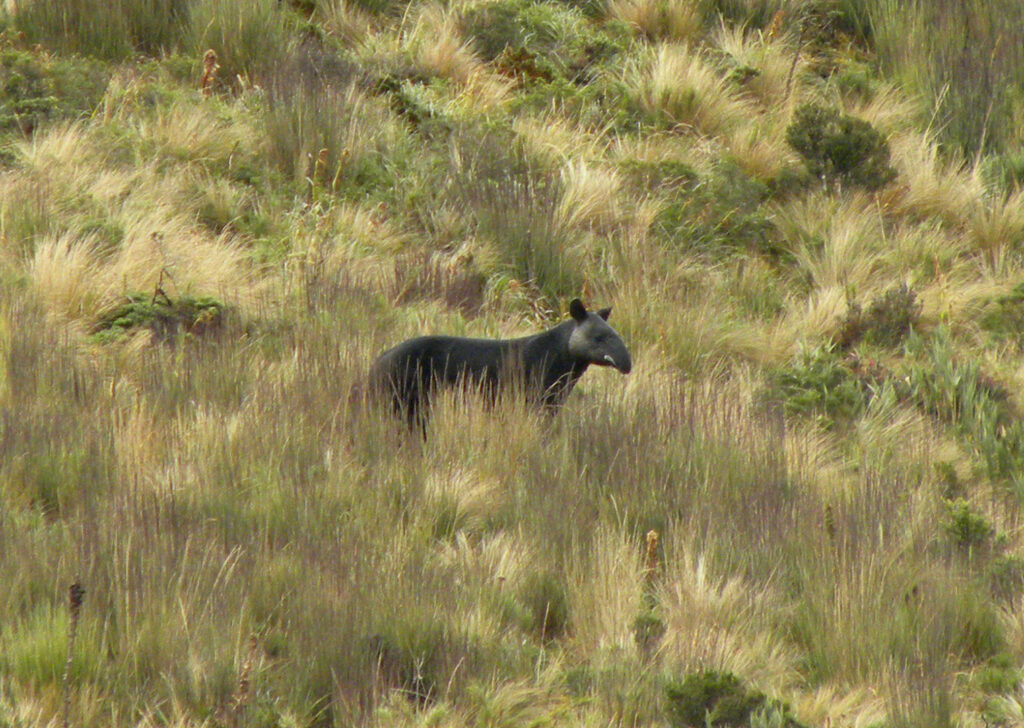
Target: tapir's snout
{"type": "Point", "coordinates": [620, 360]}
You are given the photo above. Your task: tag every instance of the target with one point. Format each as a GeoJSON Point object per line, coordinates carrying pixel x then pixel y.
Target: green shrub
{"type": "Point", "coordinates": [719, 700]}
{"type": "Point", "coordinates": [840, 149]}
{"type": "Point", "coordinates": [978, 408]}
{"type": "Point", "coordinates": [966, 528]}
{"type": "Point", "coordinates": [648, 629]}
{"type": "Point", "coordinates": [722, 214]}
{"type": "Point", "coordinates": [1006, 577]}
{"type": "Point", "coordinates": [1001, 674]}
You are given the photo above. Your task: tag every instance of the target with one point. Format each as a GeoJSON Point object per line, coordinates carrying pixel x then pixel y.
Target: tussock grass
{"type": "Point", "coordinates": [769, 69]}
{"type": "Point", "coordinates": [675, 86]}
{"type": "Point", "coordinates": [672, 20]}
{"type": "Point", "coordinates": [263, 543]}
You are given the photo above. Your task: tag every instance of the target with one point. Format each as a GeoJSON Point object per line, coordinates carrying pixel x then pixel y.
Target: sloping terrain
{"type": "Point", "coordinates": [801, 508]}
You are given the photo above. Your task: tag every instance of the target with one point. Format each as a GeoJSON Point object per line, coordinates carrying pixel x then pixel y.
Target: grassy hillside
{"type": "Point", "coordinates": [801, 508]}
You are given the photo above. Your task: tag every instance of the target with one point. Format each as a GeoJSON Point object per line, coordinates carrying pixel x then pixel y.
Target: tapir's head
{"type": "Point", "coordinates": [594, 341]}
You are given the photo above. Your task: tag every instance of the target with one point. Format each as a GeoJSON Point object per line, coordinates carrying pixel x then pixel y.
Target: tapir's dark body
{"type": "Point", "coordinates": [546, 365]}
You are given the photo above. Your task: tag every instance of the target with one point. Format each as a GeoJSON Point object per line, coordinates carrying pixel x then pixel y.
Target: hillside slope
{"type": "Point", "coordinates": [801, 508]}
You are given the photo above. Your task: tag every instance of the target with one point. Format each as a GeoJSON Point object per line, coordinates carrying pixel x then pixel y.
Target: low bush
{"type": "Point", "coordinates": [840, 149]}
{"type": "Point", "coordinates": [887, 322]}
{"type": "Point", "coordinates": [720, 700]}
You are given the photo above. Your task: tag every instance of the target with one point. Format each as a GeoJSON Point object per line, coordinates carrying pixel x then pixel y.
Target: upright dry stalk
{"type": "Point", "coordinates": [210, 67]}
{"type": "Point", "coordinates": [651, 561]}
{"type": "Point", "coordinates": [775, 25]}
{"type": "Point", "coordinates": [242, 692]}
{"type": "Point", "coordinates": [318, 167]}
{"type": "Point", "coordinates": [75, 596]}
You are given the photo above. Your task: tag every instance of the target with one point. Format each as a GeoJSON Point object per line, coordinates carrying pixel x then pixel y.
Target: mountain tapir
{"type": "Point", "coordinates": [546, 365]}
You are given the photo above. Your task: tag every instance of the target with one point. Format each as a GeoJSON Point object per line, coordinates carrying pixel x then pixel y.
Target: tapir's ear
{"type": "Point", "coordinates": [605, 312]}
{"type": "Point", "coordinates": [577, 310]}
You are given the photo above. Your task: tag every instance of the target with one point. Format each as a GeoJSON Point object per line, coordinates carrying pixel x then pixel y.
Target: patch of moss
{"type": "Point", "coordinates": [165, 317]}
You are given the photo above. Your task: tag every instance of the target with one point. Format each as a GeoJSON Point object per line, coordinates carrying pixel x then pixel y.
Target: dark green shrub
{"type": "Point", "coordinates": [719, 700]}
{"type": "Point", "coordinates": [165, 317]}
{"type": "Point", "coordinates": [840, 149]}
{"type": "Point", "coordinates": [648, 629]}
{"type": "Point", "coordinates": [887, 322]}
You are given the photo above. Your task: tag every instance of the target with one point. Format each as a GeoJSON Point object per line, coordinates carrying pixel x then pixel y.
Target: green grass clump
{"type": "Point", "coordinates": [36, 88]}
{"type": "Point", "coordinates": [821, 382]}
{"type": "Point", "coordinates": [541, 41]}
{"type": "Point", "coordinates": [166, 318]}
{"type": "Point", "coordinates": [113, 30]}
{"type": "Point", "coordinates": [958, 392]}
{"type": "Point", "coordinates": [722, 214]}
{"type": "Point", "coordinates": [840, 149]}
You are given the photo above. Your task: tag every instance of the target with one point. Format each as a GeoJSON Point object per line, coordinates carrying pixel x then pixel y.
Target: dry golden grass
{"type": "Point", "coordinates": [674, 83]}
{"type": "Point", "coordinates": [668, 20]}
{"type": "Point", "coordinates": [927, 186]}
{"type": "Point", "coordinates": [590, 197]}
{"type": "Point", "coordinates": [773, 68]}
{"type": "Point", "coordinates": [837, 242]}
{"type": "Point", "coordinates": [438, 49]}
{"type": "Point", "coordinates": [718, 623]}
{"type": "Point", "coordinates": [243, 486]}
{"type": "Point", "coordinates": [607, 591]}
{"type": "Point", "coordinates": [344, 20]}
